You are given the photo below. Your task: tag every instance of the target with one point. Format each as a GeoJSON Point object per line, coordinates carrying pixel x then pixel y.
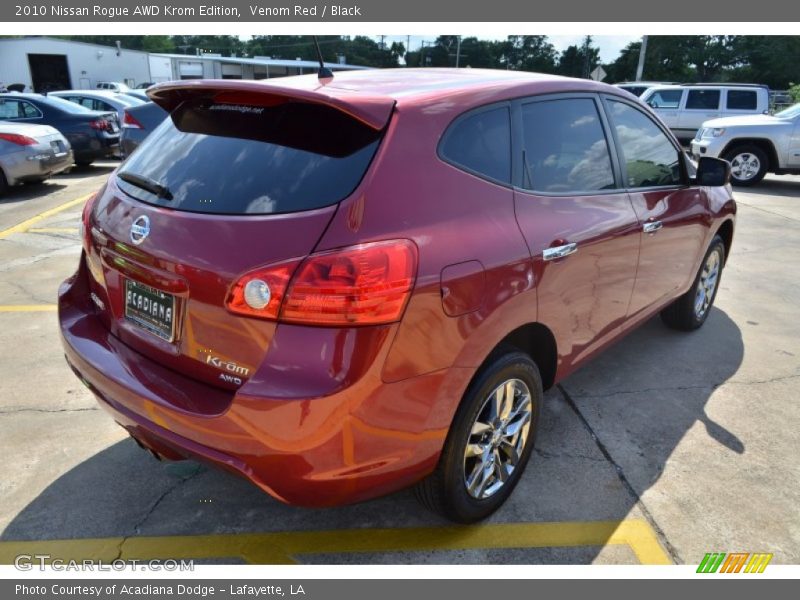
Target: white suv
{"type": "Point", "coordinates": [684, 108]}
{"type": "Point", "coordinates": [754, 145]}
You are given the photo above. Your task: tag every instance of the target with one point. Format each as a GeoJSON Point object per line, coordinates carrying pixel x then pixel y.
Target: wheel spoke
{"type": "Point", "coordinates": [514, 427]}
{"type": "Point", "coordinates": [510, 451]}
{"type": "Point", "coordinates": [473, 450]}
{"type": "Point", "coordinates": [479, 428]}
{"type": "Point", "coordinates": [499, 467]}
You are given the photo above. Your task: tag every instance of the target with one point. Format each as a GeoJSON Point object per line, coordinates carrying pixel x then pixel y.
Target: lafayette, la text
{"type": "Point", "coordinates": [154, 589]}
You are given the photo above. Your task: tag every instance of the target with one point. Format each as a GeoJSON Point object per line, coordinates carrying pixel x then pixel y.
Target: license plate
{"type": "Point", "coordinates": [58, 148]}
{"type": "Point", "coordinates": [150, 309]}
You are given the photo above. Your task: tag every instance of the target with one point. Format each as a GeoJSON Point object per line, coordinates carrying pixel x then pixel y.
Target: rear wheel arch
{"type": "Point", "coordinates": [537, 341]}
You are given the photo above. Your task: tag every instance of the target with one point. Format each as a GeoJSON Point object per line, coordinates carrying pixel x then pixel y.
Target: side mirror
{"type": "Point", "coordinates": [713, 172]}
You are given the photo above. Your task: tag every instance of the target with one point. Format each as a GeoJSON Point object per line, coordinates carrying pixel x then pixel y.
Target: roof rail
{"type": "Point", "coordinates": [727, 84]}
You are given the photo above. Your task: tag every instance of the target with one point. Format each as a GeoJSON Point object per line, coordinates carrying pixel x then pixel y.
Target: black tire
{"type": "Point", "coordinates": [3, 183]}
{"type": "Point", "coordinates": [84, 162]}
{"type": "Point", "coordinates": [735, 155]}
{"type": "Point", "coordinates": [445, 490]}
{"type": "Point", "coordinates": [682, 314]}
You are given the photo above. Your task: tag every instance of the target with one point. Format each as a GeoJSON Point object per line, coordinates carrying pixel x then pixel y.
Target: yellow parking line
{"type": "Point", "coordinates": [52, 230]}
{"type": "Point", "coordinates": [281, 547]}
{"type": "Point", "coordinates": [25, 225]}
{"type": "Point", "coordinates": [28, 307]}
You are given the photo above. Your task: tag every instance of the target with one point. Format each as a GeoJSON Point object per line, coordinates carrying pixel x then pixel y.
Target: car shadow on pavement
{"type": "Point", "coordinates": [29, 191]}
{"type": "Point", "coordinates": [776, 186]}
{"type": "Point", "coordinates": [607, 433]}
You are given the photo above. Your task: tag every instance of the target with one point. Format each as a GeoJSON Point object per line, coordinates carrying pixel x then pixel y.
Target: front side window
{"type": "Point", "coordinates": [665, 99]}
{"type": "Point", "coordinates": [565, 147]}
{"type": "Point", "coordinates": [649, 157]}
{"type": "Point", "coordinates": [481, 142]}
{"type": "Point", "coordinates": [742, 100]}
{"type": "Point", "coordinates": [703, 100]}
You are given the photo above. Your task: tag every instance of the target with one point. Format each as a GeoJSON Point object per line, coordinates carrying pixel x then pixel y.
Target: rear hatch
{"type": "Point", "coordinates": [230, 182]}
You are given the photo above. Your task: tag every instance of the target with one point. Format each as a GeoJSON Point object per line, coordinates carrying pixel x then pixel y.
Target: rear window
{"type": "Point", "coordinates": [481, 142]}
{"type": "Point", "coordinates": [703, 100]}
{"type": "Point", "coordinates": [243, 159]}
{"type": "Point", "coordinates": [742, 100]}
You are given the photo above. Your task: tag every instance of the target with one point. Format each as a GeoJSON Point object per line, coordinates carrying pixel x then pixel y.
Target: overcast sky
{"type": "Point", "coordinates": [609, 45]}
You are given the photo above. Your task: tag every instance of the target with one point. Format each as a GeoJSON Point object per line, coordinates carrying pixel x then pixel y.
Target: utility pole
{"type": "Point", "coordinates": [642, 53]}
{"type": "Point", "coordinates": [458, 51]}
{"type": "Point", "coordinates": [383, 44]}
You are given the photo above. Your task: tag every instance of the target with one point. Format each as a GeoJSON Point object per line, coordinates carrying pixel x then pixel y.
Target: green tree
{"type": "Point", "coordinates": [529, 53]}
{"type": "Point", "coordinates": [579, 61]}
{"type": "Point", "coordinates": [158, 43]}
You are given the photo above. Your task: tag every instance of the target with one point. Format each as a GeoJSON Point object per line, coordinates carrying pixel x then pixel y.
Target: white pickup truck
{"type": "Point", "coordinates": [754, 145]}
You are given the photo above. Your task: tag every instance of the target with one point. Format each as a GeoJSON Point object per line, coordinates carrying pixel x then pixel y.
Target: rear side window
{"type": "Point", "coordinates": [242, 159]}
{"type": "Point", "coordinates": [565, 147]}
{"type": "Point", "coordinates": [666, 99]}
{"type": "Point", "coordinates": [703, 99]}
{"type": "Point", "coordinates": [742, 100]}
{"type": "Point", "coordinates": [649, 157]}
{"type": "Point", "coordinates": [481, 143]}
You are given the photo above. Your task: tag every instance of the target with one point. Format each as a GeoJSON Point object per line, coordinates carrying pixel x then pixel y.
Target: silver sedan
{"type": "Point", "coordinates": [102, 100]}
{"type": "Point", "coordinates": [31, 153]}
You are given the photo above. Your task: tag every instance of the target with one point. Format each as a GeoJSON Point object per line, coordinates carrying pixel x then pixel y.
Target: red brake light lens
{"type": "Point", "coordinates": [368, 284]}
{"type": "Point", "coordinates": [16, 138]}
{"type": "Point", "coordinates": [100, 125]}
{"type": "Point", "coordinates": [131, 122]}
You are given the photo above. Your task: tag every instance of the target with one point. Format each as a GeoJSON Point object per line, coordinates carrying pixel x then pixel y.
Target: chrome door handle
{"type": "Point", "coordinates": [559, 251]}
{"type": "Point", "coordinates": [652, 226]}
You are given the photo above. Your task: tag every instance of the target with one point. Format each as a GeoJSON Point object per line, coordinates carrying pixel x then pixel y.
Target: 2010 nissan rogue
{"type": "Point", "coordinates": [341, 289]}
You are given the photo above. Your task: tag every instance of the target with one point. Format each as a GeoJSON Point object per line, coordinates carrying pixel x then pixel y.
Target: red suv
{"type": "Point", "coordinates": [339, 290]}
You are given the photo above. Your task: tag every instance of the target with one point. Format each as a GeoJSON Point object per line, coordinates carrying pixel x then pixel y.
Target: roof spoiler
{"type": "Point", "coordinates": [372, 110]}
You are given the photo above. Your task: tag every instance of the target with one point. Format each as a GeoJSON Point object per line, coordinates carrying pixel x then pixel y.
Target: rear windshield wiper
{"type": "Point", "coordinates": [147, 184]}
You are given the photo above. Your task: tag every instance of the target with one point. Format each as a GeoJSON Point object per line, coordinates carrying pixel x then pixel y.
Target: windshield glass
{"type": "Point", "coordinates": [789, 113]}
{"type": "Point", "coordinates": [240, 159]}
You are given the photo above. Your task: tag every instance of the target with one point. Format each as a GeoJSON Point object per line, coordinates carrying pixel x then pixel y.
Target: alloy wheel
{"type": "Point", "coordinates": [745, 166]}
{"type": "Point", "coordinates": [707, 284]}
{"type": "Point", "coordinates": [497, 438]}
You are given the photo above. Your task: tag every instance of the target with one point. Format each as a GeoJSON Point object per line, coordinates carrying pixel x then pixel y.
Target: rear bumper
{"type": "Point", "coordinates": [35, 163]}
{"type": "Point", "coordinates": [365, 439]}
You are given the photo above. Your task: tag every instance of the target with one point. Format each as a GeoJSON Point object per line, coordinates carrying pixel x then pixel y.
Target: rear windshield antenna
{"type": "Point", "coordinates": [325, 75]}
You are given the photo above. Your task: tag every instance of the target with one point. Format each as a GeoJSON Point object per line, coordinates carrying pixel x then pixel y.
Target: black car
{"type": "Point", "coordinates": [92, 134]}
{"type": "Point", "coordinates": [137, 124]}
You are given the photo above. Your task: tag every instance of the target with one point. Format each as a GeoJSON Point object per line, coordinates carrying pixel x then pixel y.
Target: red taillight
{"type": "Point", "coordinates": [86, 229]}
{"type": "Point", "coordinates": [101, 125]}
{"type": "Point", "coordinates": [131, 122]}
{"type": "Point", "coordinates": [367, 284]}
{"type": "Point", "coordinates": [276, 277]}
{"type": "Point", "coordinates": [16, 138]}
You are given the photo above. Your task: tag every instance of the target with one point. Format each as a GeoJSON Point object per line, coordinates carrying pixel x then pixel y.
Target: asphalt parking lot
{"type": "Point", "coordinates": [667, 447]}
